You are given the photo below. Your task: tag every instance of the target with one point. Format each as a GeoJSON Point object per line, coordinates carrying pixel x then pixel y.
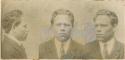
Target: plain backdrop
{"type": "Point", "coordinates": [37, 14]}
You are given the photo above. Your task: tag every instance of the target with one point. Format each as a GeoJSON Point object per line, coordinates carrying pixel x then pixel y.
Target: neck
{"type": "Point", "coordinates": [107, 40]}
{"type": "Point", "coordinates": [14, 35]}
{"type": "Point", "coordinates": [63, 40]}
{"type": "Point", "coordinates": [11, 34]}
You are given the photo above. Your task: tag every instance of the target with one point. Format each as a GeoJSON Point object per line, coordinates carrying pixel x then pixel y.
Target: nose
{"type": "Point", "coordinates": [62, 28]}
{"type": "Point", "coordinates": [98, 29]}
{"type": "Point", "coordinates": [26, 28]}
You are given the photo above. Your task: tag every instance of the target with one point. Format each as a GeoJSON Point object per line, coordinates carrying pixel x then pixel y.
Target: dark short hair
{"type": "Point", "coordinates": [8, 23]}
{"type": "Point", "coordinates": [62, 12]}
{"type": "Point", "coordinates": [110, 14]}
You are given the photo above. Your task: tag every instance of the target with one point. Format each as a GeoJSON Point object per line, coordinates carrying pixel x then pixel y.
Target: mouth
{"type": "Point", "coordinates": [25, 35]}
{"type": "Point", "coordinates": [99, 35]}
{"type": "Point", "coordinates": [62, 34]}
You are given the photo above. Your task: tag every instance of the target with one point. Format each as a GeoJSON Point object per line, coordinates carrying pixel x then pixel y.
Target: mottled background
{"type": "Point", "coordinates": [37, 13]}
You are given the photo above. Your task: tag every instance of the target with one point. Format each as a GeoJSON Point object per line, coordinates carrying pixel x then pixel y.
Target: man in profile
{"type": "Point", "coordinates": [61, 46]}
{"type": "Point", "coordinates": [106, 46]}
{"type": "Point", "coordinates": [15, 31]}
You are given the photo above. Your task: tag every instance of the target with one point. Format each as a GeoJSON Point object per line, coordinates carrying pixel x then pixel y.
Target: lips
{"type": "Point", "coordinates": [99, 35]}
{"type": "Point", "coordinates": [62, 34]}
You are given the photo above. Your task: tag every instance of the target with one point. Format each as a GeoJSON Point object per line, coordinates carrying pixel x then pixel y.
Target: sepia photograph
{"type": "Point", "coordinates": [62, 29]}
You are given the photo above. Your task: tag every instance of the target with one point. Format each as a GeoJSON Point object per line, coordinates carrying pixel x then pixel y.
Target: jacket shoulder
{"type": "Point", "coordinates": [45, 49]}
{"type": "Point", "coordinates": [76, 45]}
{"type": "Point", "coordinates": [120, 44]}
{"type": "Point", "coordinates": [8, 45]}
{"type": "Point", "coordinates": [45, 44]}
{"type": "Point", "coordinates": [91, 44]}
{"type": "Point", "coordinates": [7, 48]}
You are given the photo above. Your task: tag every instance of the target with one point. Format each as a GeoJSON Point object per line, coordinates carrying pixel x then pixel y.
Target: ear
{"type": "Point", "coordinates": [114, 28]}
{"type": "Point", "coordinates": [13, 27]}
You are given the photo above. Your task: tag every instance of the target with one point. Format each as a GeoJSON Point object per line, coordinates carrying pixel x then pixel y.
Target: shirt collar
{"type": "Point", "coordinates": [110, 45]}
{"type": "Point", "coordinates": [66, 44]}
{"type": "Point", "coordinates": [110, 42]}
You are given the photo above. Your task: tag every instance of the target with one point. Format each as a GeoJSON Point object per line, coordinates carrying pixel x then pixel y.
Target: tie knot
{"type": "Point", "coordinates": [62, 44]}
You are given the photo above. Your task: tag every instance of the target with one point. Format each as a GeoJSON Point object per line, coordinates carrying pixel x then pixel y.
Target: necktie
{"type": "Point", "coordinates": [62, 52]}
{"type": "Point", "coordinates": [105, 51]}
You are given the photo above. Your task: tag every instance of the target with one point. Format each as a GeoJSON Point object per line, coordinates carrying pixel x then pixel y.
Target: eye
{"type": "Point", "coordinates": [104, 25]}
{"type": "Point", "coordinates": [67, 24]}
{"type": "Point", "coordinates": [25, 26]}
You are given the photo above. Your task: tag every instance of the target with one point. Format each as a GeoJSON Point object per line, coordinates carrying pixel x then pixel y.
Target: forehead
{"type": "Point", "coordinates": [104, 19]}
{"type": "Point", "coordinates": [62, 18]}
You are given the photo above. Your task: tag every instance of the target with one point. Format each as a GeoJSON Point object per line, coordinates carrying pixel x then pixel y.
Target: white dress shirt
{"type": "Point", "coordinates": [65, 46]}
{"type": "Point", "coordinates": [110, 45]}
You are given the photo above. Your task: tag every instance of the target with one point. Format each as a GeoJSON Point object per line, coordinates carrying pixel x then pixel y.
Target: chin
{"type": "Point", "coordinates": [23, 39]}
{"type": "Point", "coordinates": [63, 39]}
{"type": "Point", "coordinates": [100, 39]}
{"type": "Point", "coordinates": [103, 40]}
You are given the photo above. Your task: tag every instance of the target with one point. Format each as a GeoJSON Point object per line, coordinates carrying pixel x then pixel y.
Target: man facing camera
{"type": "Point", "coordinates": [61, 46]}
{"type": "Point", "coordinates": [106, 46]}
{"type": "Point", "coordinates": [15, 31]}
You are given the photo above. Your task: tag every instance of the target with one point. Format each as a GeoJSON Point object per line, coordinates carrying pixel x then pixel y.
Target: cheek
{"type": "Point", "coordinates": [22, 31]}
{"type": "Point", "coordinates": [68, 29]}
{"type": "Point", "coordinates": [55, 29]}
{"type": "Point", "coordinates": [108, 30]}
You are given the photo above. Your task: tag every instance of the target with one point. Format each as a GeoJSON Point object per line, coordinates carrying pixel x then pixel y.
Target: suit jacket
{"type": "Point", "coordinates": [93, 51]}
{"type": "Point", "coordinates": [11, 50]}
{"type": "Point", "coordinates": [48, 49]}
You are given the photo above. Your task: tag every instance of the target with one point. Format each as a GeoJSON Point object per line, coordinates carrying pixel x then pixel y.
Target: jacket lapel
{"type": "Point", "coordinates": [70, 51]}
{"type": "Point", "coordinates": [18, 51]}
{"type": "Point", "coordinates": [93, 50]}
{"type": "Point", "coordinates": [115, 51]}
{"type": "Point", "coordinates": [74, 51]}
{"type": "Point", "coordinates": [21, 51]}
{"type": "Point", "coordinates": [52, 50]}
{"type": "Point", "coordinates": [96, 50]}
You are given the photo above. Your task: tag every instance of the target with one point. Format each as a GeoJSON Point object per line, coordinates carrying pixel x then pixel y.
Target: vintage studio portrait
{"type": "Point", "coordinates": [62, 29]}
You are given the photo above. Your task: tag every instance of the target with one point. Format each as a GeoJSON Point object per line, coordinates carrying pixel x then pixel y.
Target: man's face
{"type": "Point", "coordinates": [104, 29]}
{"type": "Point", "coordinates": [62, 27]}
{"type": "Point", "coordinates": [13, 17]}
{"type": "Point", "coordinates": [21, 31]}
